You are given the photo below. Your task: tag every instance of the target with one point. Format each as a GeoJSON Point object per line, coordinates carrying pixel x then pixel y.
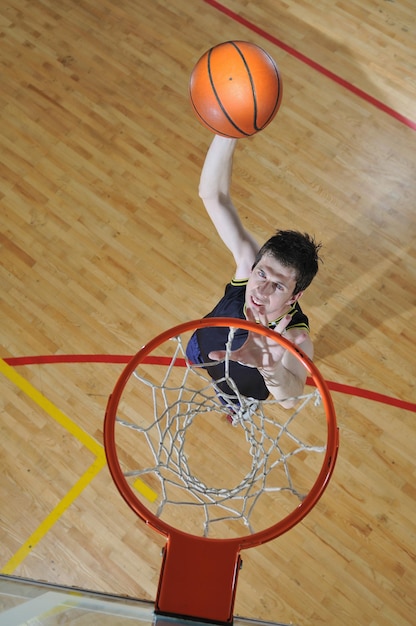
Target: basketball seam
{"type": "Point", "coordinates": [253, 87]}
{"type": "Point", "coordinates": [204, 121]}
{"type": "Point", "coordinates": [217, 96]}
{"type": "Point", "coordinates": [279, 91]}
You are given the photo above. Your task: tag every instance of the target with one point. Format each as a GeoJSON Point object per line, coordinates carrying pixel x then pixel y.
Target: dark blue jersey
{"type": "Point", "coordinates": [249, 381]}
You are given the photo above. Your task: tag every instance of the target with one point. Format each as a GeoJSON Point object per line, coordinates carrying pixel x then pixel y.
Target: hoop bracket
{"type": "Point", "coordinates": [205, 592]}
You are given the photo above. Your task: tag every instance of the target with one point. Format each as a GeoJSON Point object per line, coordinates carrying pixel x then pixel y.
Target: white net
{"type": "Point", "coordinates": [209, 463]}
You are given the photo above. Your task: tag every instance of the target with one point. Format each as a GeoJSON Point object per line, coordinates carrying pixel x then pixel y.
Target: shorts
{"type": "Point", "coordinates": [193, 352]}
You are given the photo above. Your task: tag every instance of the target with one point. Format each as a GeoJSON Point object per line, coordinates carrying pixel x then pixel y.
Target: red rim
{"type": "Point", "coordinates": [266, 534]}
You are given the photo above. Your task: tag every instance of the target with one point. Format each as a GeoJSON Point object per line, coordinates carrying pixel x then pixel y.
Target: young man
{"type": "Point", "coordinates": [267, 285]}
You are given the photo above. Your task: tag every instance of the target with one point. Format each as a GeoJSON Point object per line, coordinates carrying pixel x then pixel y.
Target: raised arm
{"type": "Point", "coordinates": [214, 189]}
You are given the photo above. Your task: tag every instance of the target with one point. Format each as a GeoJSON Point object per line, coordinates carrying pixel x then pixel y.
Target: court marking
{"type": "Point", "coordinates": [348, 390]}
{"type": "Point", "coordinates": [89, 442]}
{"type": "Point", "coordinates": [50, 408]}
{"type": "Point", "coordinates": [313, 64]}
{"type": "Point", "coordinates": [51, 519]}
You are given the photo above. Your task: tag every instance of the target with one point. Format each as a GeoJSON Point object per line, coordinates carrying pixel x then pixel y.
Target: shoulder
{"type": "Point", "coordinates": [237, 284]}
{"type": "Point", "coordinates": [232, 301]}
{"type": "Point", "coordinates": [235, 290]}
{"type": "Point", "coordinates": [299, 318]}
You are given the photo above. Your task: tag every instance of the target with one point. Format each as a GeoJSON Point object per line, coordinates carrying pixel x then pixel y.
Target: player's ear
{"type": "Point", "coordinates": [295, 297]}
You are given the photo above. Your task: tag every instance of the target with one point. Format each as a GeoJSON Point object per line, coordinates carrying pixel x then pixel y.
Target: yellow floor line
{"type": "Point", "coordinates": [145, 490]}
{"type": "Point", "coordinates": [50, 408]}
{"type": "Point", "coordinates": [83, 482]}
{"type": "Point", "coordinates": [54, 515]}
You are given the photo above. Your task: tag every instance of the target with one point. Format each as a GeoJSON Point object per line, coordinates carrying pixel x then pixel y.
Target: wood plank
{"type": "Point", "coordinates": [105, 244]}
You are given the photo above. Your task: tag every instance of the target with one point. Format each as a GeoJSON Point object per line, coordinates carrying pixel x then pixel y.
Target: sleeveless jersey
{"type": "Point", "coordinates": [249, 381]}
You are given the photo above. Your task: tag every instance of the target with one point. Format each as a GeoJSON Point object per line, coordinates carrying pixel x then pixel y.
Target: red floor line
{"type": "Point", "coordinates": [316, 66]}
{"type": "Point", "coordinates": [123, 359]}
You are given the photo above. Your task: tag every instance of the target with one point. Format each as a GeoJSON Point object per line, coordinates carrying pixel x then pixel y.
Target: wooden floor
{"type": "Point", "coordinates": [105, 244]}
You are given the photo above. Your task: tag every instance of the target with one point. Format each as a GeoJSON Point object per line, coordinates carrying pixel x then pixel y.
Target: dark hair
{"type": "Point", "coordinates": [294, 249]}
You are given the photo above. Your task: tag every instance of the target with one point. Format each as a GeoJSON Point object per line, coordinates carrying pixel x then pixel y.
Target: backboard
{"type": "Point", "coordinates": [24, 601]}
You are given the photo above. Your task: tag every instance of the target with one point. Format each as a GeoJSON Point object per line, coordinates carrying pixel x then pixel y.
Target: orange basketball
{"type": "Point", "coordinates": [235, 89]}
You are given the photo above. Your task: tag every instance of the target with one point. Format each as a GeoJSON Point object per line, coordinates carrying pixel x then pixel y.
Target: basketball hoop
{"type": "Point", "coordinates": [169, 476]}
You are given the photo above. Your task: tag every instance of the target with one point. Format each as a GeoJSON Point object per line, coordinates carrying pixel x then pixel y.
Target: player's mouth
{"type": "Point", "coordinates": [256, 303]}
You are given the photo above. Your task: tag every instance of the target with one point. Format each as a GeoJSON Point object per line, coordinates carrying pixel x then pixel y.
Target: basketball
{"type": "Point", "coordinates": [235, 89]}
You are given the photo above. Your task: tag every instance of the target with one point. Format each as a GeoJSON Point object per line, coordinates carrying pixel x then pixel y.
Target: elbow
{"type": "Point", "coordinates": [209, 194]}
{"type": "Point", "coordinates": [289, 403]}
{"type": "Point", "coordinates": [202, 192]}
{"type": "Point", "coordinates": [292, 401]}
{"type": "Point", "coordinates": [291, 395]}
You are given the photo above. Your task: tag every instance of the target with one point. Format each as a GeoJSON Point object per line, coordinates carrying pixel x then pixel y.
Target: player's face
{"type": "Point", "coordinates": [270, 288]}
